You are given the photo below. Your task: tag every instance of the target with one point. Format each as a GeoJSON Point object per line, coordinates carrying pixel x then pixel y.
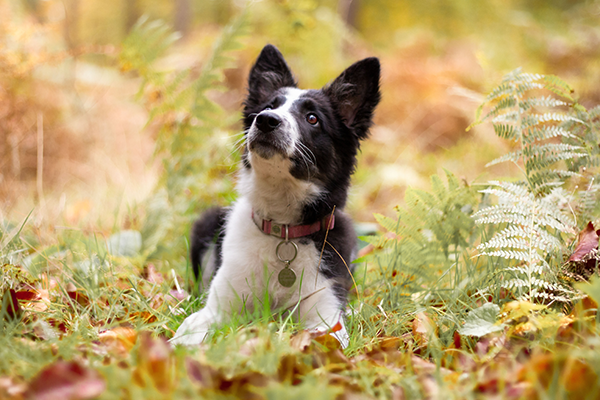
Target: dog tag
{"type": "Point", "coordinates": [287, 277]}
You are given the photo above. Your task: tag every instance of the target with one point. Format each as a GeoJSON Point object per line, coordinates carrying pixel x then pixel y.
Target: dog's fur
{"type": "Point", "coordinates": [294, 171]}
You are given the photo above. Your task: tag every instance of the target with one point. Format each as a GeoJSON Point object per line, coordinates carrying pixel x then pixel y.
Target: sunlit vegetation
{"type": "Point", "coordinates": [119, 122]}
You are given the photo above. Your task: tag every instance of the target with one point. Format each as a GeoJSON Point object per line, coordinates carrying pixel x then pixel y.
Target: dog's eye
{"type": "Point", "coordinates": [312, 119]}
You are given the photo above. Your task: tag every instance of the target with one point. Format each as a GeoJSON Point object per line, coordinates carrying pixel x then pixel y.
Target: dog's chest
{"type": "Point", "coordinates": [250, 260]}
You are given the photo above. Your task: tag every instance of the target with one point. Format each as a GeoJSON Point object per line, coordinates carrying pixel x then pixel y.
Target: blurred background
{"type": "Point", "coordinates": [92, 138]}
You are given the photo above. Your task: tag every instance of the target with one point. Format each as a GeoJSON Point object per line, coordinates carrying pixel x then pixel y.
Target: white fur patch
{"type": "Point", "coordinates": [250, 266]}
{"type": "Point", "coordinates": [291, 96]}
{"type": "Point", "coordinates": [274, 193]}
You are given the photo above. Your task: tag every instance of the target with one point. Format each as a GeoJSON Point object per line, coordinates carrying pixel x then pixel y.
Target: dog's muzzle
{"type": "Point", "coordinates": [267, 136]}
{"type": "Point", "coordinates": [267, 121]}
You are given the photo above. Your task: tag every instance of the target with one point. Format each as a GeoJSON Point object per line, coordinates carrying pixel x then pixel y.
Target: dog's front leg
{"type": "Point", "coordinates": [222, 300]}
{"type": "Point", "coordinates": [323, 310]}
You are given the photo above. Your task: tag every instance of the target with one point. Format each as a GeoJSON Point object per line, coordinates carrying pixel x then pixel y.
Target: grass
{"type": "Point", "coordinates": [109, 316]}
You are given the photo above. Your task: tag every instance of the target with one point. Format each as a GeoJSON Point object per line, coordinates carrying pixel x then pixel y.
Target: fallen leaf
{"type": "Point", "coordinates": [119, 340]}
{"type": "Point", "coordinates": [11, 389]}
{"type": "Point", "coordinates": [81, 298]}
{"type": "Point", "coordinates": [588, 241]}
{"type": "Point", "coordinates": [423, 329]}
{"type": "Point", "coordinates": [575, 375]}
{"type": "Point", "coordinates": [27, 293]}
{"type": "Point", "coordinates": [302, 340]}
{"type": "Point", "coordinates": [328, 341]}
{"type": "Point", "coordinates": [66, 381]}
{"type": "Point", "coordinates": [205, 375]}
{"type": "Point", "coordinates": [154, 363]}
{"type": "Point", "coordinates": [481, 321]}
{"type": "Point", "coordinates": [152, 275]}
{"type": "Point", "coordinates": [10, 305]}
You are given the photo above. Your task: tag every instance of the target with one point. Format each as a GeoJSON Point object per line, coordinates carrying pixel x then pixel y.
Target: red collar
{"type": "Point", "coordinates": [293, 231]}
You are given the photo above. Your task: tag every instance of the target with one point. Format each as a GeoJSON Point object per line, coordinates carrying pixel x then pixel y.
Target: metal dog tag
{"type": "Point", "coordinates": [286, 276]}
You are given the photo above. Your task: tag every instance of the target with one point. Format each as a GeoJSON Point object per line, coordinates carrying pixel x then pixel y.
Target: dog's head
{"type": "Point", "coordinates": [318, 131]}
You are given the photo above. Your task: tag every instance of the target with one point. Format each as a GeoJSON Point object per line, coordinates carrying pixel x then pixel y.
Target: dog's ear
{"type": "Point", "coordinates": [355, 94]}
{"type": "Point", "coordinates": [269, 73]}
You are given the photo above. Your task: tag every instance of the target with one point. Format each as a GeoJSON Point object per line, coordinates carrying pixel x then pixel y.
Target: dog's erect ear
{"type": "Point", "coordinates": [355, 94]}
{"type": "Point", "coordinates": [269, 73]}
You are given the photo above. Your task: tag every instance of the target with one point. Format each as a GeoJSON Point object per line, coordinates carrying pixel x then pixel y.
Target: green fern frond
{"type": "Point", "coordinates": [389, 224]}
{"type": "Point", "coordinates": [532, 213]}
{"type": "Point", "coordinates": [548, 101]}
{"type": "Point", "coordinates": [147, 42]}
{"type": "Point", "coordinates": [506, 131]}
{"type": "Point", "coordinates": [559, 87]}
{"type": "Point", "coordinates": [515, 157]}
{"type": "Point", "coordinates": [431, 229]}
{"type": "Point", "coordinates": [540, 133]}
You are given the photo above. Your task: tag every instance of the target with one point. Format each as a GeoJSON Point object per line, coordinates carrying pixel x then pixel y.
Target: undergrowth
{"type": "Point", "coordinates": [460, 295]}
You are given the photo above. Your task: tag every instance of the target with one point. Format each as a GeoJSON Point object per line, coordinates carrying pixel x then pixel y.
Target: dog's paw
{"type": "Point", "coordinates": [192, 331]}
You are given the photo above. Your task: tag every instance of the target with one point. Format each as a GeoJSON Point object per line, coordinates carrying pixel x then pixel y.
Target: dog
{"type": "Point", "coordinates": [287, 233]}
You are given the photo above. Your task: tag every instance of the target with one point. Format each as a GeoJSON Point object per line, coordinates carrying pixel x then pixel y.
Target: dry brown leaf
{"type": "Point", "coordinates": [575, 375]}
{"type": "Point", "coordinates": [423, 329]}
{"type": "Point", "coordinates": [292, 368]}
{"type": "Point", "coordinates": [154, 363]}
{"type": "Point", "coordinates": [302, 340]}
{"type": "Point", "coordinates": [40, 303]}
{"type": "Point", "coordinates": [11, 389]}
{"type": "Point", "coordinates": [66, 381]}
{"type": "Point", "coordinates": [328, 341]}
{"type": "Point", "coordinates": [119, 340]}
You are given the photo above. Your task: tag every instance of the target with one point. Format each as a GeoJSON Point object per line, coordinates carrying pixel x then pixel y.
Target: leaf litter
{"type": "Point", "coordinates": [518, 350]}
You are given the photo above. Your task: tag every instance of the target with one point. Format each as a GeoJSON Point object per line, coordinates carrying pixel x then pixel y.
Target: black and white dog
{"type": "Point", "coordinates": [287, 233]}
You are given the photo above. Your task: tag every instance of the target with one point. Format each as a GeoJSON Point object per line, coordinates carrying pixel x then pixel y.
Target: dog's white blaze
{"type": "Point", "coordinates": [250, 266]}
{"type": "Point", "coordinates": [284, 111]}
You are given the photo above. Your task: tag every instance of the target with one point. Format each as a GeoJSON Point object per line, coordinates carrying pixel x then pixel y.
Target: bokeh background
{"type": "Point", "coordinates": [78, 146]}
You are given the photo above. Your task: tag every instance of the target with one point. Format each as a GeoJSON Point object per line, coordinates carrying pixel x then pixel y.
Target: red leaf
{"type": "Point", "coordinates": [65, 381]}
{"type": "Point", "coordinates": [28, 293]}
{"type": "Point", "coordinates": [588, 241]}
{"type": "Point", "coordinates": [10, 303]}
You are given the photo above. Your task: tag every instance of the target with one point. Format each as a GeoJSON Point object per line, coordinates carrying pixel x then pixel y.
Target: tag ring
{"type": "Point", "coordinates": [295, 251]}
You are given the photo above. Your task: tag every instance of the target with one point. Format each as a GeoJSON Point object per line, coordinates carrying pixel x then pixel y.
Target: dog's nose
{"type": "Point", "coordinates": [267, 121]}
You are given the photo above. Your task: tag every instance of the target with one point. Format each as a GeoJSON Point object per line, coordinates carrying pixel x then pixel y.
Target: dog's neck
{"type": "Point", "coordinates": [273, 192]}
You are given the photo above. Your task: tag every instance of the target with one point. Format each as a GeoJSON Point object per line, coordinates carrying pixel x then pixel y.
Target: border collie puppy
{"type": "Point", "coordinates": [287, 233]}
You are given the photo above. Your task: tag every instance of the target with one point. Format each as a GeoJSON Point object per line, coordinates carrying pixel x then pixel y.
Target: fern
{"type": "Point", "coordinates": [533, 214]}
{"type": "Point", "coordinates": [190, 127]}
{"type": "Point", "coordinates": [429, 235]}
{"type": "Point", "coordinates": [531, 121]}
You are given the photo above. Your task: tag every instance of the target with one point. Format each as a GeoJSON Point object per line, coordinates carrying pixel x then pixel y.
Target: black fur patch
{"type": "Point", "coordinates": [206, 230]}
